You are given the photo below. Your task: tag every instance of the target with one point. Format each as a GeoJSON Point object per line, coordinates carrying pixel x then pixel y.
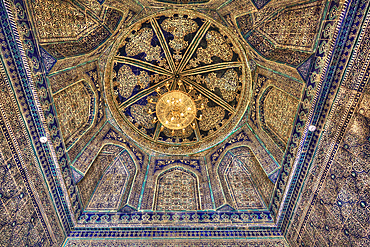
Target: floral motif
{"type": "Point", "coordinates": [128, 80]}
{"type": "Point", "coordinates": [141, 42]}
{"type": "Point", "coordinates": [177, 190]}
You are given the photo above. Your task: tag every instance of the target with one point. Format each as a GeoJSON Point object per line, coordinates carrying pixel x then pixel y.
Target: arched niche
{"type": "Point", "coordinates": [277, 110]}
{"type": "Point", "coordinates": [237, 185]}
{"type": "Point", "coordinates": [75, 106]}
{"type": "Point", "coordinates": [257, 173]}
{"type": "Point", "coordinates": [111, 159]}
{"type": "Point", "coordinates": [177, 190]}
{"type": "Point", "coordinates": [113, 189]}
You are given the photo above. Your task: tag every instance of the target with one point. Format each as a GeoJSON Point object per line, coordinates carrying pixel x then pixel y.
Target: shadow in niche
{"type": "Point", "coordinates": [244, 183]}
{"type": "Point", "coordinates": [106, 185]}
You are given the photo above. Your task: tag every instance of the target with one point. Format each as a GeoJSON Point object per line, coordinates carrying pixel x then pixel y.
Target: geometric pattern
{"type": "Point", "coordinates": [177, 189]}
{"type": "Point", "coordinates": [185, 242]}
{"type": "Point", "coordinates": [109, 191]}
{"type": "Point", "coordinates": [319, 195]}
{"type": "Point", "coordinates": [75, 108]}
{"type": "Point", "coordinates": [304, 68]}
{"type": "Point", "coordinates": [177, 52]}
{"type": "Point", "coordinates": [277, 112]}
{"type": "Point", "coordinates": [240, 184]}
{"type": "Point", "coordinates": [48, 60]}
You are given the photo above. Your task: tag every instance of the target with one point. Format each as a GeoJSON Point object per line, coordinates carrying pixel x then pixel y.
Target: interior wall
{"type": "Point", "coordinates": [333, 208]}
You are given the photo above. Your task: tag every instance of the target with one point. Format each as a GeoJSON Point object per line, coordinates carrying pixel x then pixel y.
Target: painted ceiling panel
{"type": "Point", "coordinates": [184, 119]}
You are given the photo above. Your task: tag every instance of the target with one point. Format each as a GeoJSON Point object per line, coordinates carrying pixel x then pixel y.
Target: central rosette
{"type": "Point", "coordinates": [178, 82]}
{"type": "Point", "coordinates": [176, 110]}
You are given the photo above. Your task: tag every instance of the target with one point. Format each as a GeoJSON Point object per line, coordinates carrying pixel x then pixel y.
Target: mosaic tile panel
{"type": "Point", "coordinates": [185, 52]}
{"type": "Point", "coordinates": [332, 204]}
{"type": "Point", "coordinates": [286, 34]}
{"type": "Point", "coordinates": [177, 242]}
{"type": "Point", "coordinates": [340, 213]}
{"type": "Point", "coordinates": [91, 179]}
{"type": "Point", "coordinates": [108, 194]}
{"type": "Point", "coordinates": [68, 29]}
{"type": "Point", "coordinates": [263, 183]}
{"type": "Point", "coordinates": [296, 26]}
{"type": "Point", "coordinates": [75, 107]}
{"type": "Point", "coordinates": [277, 112]}
{"type": "Point", "coordinates": [244, 194]}
{"type": "Point", "coordinates": [27, 216]}
{"type": "Point", "coordinates": [190, 171]}
{"type": "Point", "coordinates": [177, 190]}
{"type": "Point", "coordinates": [320, 75]}
{"type": "Point", "coordinates": [55, 20]}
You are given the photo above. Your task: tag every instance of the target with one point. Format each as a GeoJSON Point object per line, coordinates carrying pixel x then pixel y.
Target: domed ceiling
{"type": "Point", "coordinates": [178, 82]}
{"type": "Point", "coordinates": [182, 118]}
{"type": "Point", "coordinates": [178, 113]}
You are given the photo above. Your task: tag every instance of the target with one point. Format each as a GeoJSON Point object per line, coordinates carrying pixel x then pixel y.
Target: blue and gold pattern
{"type": "Point", "coordinates": [180, 51]}
{"type": "Point", "coordinates": [312, 189]}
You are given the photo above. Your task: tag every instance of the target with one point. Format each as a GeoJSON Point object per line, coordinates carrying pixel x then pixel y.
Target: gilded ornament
{"type": "Point", "coordinates": [179, 27]}
{"type": "Point", "coordinates": [128, 80]}
{"type": "Point", "coordinates": [140, 42]}
{"type": "Point", "coordinates": [170, 106]}
{"type": "Point", "coordinates": [176, 110]}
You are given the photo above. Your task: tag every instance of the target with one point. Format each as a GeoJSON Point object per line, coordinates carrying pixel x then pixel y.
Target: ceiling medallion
{"type": "Point", "coordinates": [175, 110]}
{"type": "Point", "coordinates": [177, 82]}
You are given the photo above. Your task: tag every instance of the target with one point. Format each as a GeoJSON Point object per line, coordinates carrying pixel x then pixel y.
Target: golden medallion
{"type": "Point", "coordinates": [176, 110]}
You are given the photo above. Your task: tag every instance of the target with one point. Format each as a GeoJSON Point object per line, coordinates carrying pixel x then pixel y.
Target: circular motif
{"type": "Point", "coordinates": [312, 128]}
{"type": "Point", "coordinates": [43, 139]}
{"type": "Point", "coordinates": [175, 110]}
{"type": "Point", "coordinates": [177, 82]}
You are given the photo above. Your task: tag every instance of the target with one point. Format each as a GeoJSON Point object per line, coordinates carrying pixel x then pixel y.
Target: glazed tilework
{"type": "Point", "coordinates": [186, 52]}
{"type": "Point", "coordinates": [240, 185]}
{"type": "Point", "coordinates": [277, 112]}
{"type": "Point", "coordinates": [334, 201]}
{"type": "Point", "coordinates": [218, 176]}
{"type": "Point", "coordinates": [263, 183]}
{"type": "Point", "coordinates": [75, 106]}
{"type": "Point", "coordinates": [27, 216]}
{"type": "Point", "coordinates": [313, 193]}
{"type": "Point", "coordinates": [101, 162]}
{"type": "Point", "coordinates": [117, 179]}
{"type": "Point", "coordinates": [26, 79]}
{"type": "Point", "coordinates": [295, 146]}
{"type": "Point", "coordinates": [291, 88]}
{"type": "Point", "coordinates": [84, 30]}
{"type": "Point", "coordinates": [278, 242]}
{"type": "Point", "coordinates": [291, 42]}
{"type": "Point", "coordinates": [197, 174]}
{"type": "Point", "coordinates": [177, 190]}
{"type": "Point", "coordinates": [296, 26]}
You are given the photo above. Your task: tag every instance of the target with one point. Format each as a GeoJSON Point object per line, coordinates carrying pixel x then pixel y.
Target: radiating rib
{"type": "Point", "coordinates": [196, 131]}
{"type": "Point", "coordinates": [143, 65]}
{"type": "Point", "coordinates": [142, 94]}
{"type": "Point", "coordinates": [210, 95]}
{"type": "Point", "coordinates": [194, 44]}
{"type": "Point", "coordinates": [212, 67]}
{"type": "Point", "coordinates": [163, 43]}
{"type": "Point", "coordinates": [157, 131]}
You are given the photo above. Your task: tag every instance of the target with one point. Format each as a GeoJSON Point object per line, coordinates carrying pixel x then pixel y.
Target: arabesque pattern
{"type": "Point", "coordinates": [180, 52]}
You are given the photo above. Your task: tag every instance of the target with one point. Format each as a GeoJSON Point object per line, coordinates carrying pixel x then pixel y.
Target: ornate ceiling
{"type": "Point", "coordinates": [178, 83]}
{"type": "Point", "coordinates": [184, 122]}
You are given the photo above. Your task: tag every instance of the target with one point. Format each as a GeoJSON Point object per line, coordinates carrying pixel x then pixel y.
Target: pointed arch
{"type": "Point", "coordinates": [177, 190]}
